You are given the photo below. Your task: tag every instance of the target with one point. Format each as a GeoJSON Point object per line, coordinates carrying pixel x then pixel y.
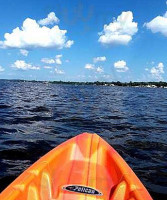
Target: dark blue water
{"type": "Point", "coordinates": [35, 117]}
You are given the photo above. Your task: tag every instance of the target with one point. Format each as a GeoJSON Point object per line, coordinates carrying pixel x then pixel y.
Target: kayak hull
{"type": "Point", "coordinates": [84, 167]}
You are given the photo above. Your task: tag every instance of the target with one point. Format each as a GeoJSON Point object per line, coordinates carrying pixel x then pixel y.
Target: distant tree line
{"type": "Point", "coordinates": [113, 83]}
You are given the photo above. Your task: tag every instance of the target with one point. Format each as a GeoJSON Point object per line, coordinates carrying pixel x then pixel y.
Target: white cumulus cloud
{"type": "Point", "coordinates": [120, 31]}
{"type": "Point", "coordinates": [99, 59]}
{"type": "Point", "coordinates": [57, 60]}
{"type": "Point", "coordinates": [51, 19]}
{"type": "Point", "coordinates": [47, 67]}
{"type": "Point", "coordinates": [1, 69]}
{"type": "Point", "coordinates": [32, 35]}
{"type": "Point", "coordinates": [92, 67]}
{"type": "Point", "coordinates": [121, 66]}
{"type": "Point", "coordinates": [158, 24]}
{"type": "Point", "coordinates": [89, 66]}
{"type": "Point", "coordinates": [58, 71]}
{"type": "Point", "coordinates": [21, 64]}
{"type": "Point", "coordinates": [24, 52]}
{"type": "Point", "coordinates": [99, 70]}
{"type": "Point", "coordinates": [48, 60]}
{"type": "Point", "coordinates": [157, 71]}
{"type": "Point", "coordinates": [69, 43]}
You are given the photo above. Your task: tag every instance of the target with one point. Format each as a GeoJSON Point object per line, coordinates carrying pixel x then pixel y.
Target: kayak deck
{"type": "Point", "coordinates": [83, 168]}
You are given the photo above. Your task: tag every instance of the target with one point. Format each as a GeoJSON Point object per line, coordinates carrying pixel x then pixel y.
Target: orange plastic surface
{"type": "Point", "coordinates": [85, 160]}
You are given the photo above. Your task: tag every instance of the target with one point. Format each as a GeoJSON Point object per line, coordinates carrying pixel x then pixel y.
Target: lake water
{"type": "Point", "coordinates": [36, 117]}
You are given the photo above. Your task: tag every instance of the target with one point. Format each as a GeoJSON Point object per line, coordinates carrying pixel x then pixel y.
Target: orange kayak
{"type": "Point", "coordinates": [83, 168]}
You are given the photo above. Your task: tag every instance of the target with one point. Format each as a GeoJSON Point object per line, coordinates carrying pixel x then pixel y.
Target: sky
{"type": "Point", "coordinates": [83, 40]}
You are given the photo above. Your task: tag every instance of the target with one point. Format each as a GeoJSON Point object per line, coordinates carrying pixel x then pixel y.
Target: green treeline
{"type": "Point", "coordinates": [113, 83]}
{"type": "Point", "coordinates": [117, 83]}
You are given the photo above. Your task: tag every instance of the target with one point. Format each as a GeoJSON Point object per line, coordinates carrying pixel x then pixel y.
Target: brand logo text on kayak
{"type": "Point", "coordinates": [82, 189]}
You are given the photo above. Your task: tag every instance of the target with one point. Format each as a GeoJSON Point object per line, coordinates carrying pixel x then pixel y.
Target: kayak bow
{"type": "Point", "coordinates": [84, 167]}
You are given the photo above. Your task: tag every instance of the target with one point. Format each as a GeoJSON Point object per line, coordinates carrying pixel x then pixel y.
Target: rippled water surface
{"type": "Point", "coordinates": [35, 117]}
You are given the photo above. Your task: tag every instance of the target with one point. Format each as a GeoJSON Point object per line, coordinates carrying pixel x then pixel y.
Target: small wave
{"type": "Point", "coordinates": [40, 109]}
{"type": "Point", "coordinates": [2, 106]}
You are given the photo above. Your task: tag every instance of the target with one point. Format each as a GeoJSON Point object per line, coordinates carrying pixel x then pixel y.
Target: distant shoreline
{"type": "Point", "coordinates": [159, 84]}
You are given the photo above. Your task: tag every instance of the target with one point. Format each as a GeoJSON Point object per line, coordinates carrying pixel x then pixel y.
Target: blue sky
{"type": "Point", "coordinates": [83, 40]}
